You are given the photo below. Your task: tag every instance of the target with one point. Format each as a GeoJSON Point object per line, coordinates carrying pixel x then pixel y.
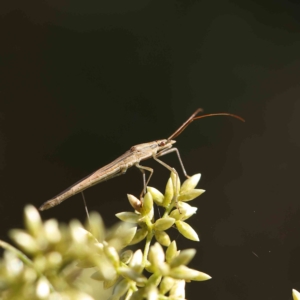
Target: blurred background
{"type": "Point", "coordinates": [81, 82]}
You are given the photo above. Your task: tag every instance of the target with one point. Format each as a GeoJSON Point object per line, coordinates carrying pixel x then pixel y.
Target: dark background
{"type": "Point", "coordinates": [83, 81]}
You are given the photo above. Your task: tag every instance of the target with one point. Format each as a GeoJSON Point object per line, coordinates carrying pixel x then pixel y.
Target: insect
{"type": "Point", "coordinates": [130, 158]}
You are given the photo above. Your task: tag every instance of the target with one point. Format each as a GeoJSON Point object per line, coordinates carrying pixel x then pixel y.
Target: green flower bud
{"type": "Point", "coordinates": [190, 195]}
{"type": "Point", "coordinates": [149, 267]}
{"type": "Point", "coordinates": [166, 284]}
{"type": "Point", "coordinates": [138, 295]}
{"type": "Point", "coordinates": [151, 293]}
{"type": "Point", "coordinates": [109, 283]}
{"type": "Point", "coordinates": [106, 270]}
{"type": "Point", "coordinates": [121, 288]}
{"type": "Point", "coordinates": [171, 251]}
{"type": "Point", "coordinates": [201, 276]}
{"type": "Point", "coordinates": [135, 202]}
{"type": "Point", "coordinates": [132, 275]}
{"type": "Point", "coordinates": [51, 231]}
{"type": "Point", "coordinates": [24, 240]}
{"type": "Point", "coordinates": [112, 255]}
{"type": "Point", "coordinates": [136, 261]}
{"type": "Point", "coordinates": [154, 280]}
{"type": "Point", "coordinates": [186, 211]}
{"type": "Point", "coordinates": [54, 259]}
{"type": "Point", "coordinates": [178, 290]}
{"type": "Point", "coordinates": [95, 226]}
{"type": "Point", "coordinates": [163, 268]}
{"type": "Point", "coordinates": [123, 237]}
{"type": "Point", "coordinates": [42, 288]}
{"type": "Point", "coordinates": [157, 196]}
{"type": "Point", "coordinates": [190, 183]}
{"type": "Point", "coordinates": [176, 182]}
{"type": "Point", "coordinates": [156, 255]}
{"type": "Point", "coordinates": [151, 213]}
{"type": "Point", "coordinates": [164, 223]}
{"type": "Point", "coordinates": [296, 295]}
{"type": "Point", "coordinates": [77, 232]}
{"type": "Point", "coordinates": [89, 236]}
{"type": "Point", "coordinates": [187, 231]}
{"type": "Point", "coordinates": [185, 273]}
{"type": "Point", "coordinates": [176, 214]}
{"type": "Point", "coordinates": [129, 217]}
{"type": "Point", "coordinates": [147, 204]}
{"type": "Point", "coordinates": [33, 220]}
{"type": "Point", "coordinates": [169, 193]}
{"type": "Point", "coordinates": [98, 276]}
{"type": "Point", "coordinates": [139, 236]}
{"type": "Point", "coordinates": [162, 237]}
{"type": "Point", "coordinates": [184, 257]}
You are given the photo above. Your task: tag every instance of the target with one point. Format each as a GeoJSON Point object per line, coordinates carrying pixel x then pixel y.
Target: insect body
{"type": "Point", "coordinates": [132, 157]}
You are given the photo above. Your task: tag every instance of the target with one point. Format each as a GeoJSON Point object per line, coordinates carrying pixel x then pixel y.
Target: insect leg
{"type": "Point", "coordinates": [179, 158]}
{"type": "Point", "coordinates": [142, 169]}
{"type": "Point", "coordinates": [172, 170]}
{"type": "Point", "coordinates": [85, 206]}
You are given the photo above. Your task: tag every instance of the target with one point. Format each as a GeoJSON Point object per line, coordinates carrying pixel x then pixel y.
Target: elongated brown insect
{"type": "Point", "coordinates": [131, 158]}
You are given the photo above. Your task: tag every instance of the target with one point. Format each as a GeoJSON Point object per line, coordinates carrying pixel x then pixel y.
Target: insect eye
{"type": "Point", "coordinates": [162, 143]}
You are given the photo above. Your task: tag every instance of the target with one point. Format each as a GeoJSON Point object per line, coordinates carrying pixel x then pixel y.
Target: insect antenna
{"type": "Point", "coordinates": [193, 117]}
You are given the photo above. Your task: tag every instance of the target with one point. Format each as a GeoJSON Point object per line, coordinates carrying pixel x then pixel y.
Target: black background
{"type": "Point", "coordinates": [83, 81]}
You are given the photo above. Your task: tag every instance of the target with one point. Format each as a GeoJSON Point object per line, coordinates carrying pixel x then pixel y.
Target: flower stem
{"type": "Point", "coordinates": [147, 246]}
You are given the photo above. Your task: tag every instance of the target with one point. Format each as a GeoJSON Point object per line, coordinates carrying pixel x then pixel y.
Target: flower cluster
{"type": "Point", "coordinates": [57, 255]}
{"type": "Point", "coordinates": [53, 256]}
{"type": "Point", "coordinates": [169, 270]}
